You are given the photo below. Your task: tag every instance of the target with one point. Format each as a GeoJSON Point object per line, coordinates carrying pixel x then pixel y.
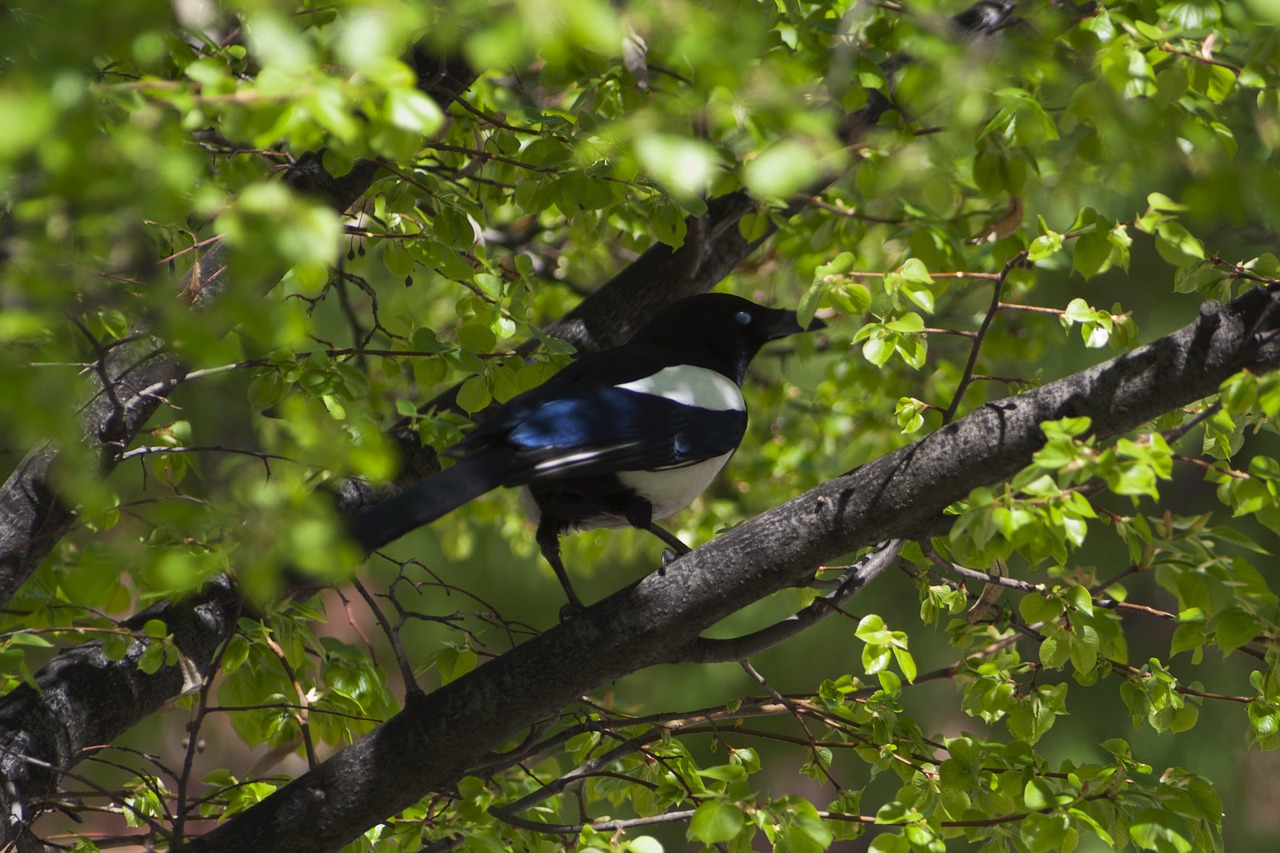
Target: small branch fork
{"type": "Point", "coordinates": [705, 650]}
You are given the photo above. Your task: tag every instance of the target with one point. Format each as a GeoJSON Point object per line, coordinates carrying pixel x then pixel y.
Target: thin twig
{"type": "Point", "coordinates": [302, 716]}
{"type": "Point", "coordinates": [411, 685]}
{"type": "Point", "coordinates": [1173, 435]}
{"type": "Point", "coordinates": [705, 650]}
{"type": "Point", "coordinates": [1034, 309]}
{"type": "Point", "coordinates": [193, 740]}
{"type": "Point", "coordinates": [967, 377]}
{"type": "Point", "coordinates": [799, 718]}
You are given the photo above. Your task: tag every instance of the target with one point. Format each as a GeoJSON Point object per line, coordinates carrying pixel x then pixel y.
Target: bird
{"type": "Point", "coordinates": [619, 437]}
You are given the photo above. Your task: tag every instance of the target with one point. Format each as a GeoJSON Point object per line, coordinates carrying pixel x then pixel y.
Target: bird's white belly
{"type": "Point", "coordinates": [670, 490]}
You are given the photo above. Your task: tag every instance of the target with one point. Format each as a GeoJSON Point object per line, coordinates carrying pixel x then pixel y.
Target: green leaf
{"type": "Point", "coordinates": [1037, 794]}
{"type": "Point", "coordinates": [1044, 246]}
{"type": "Point", "coordinates": [1160, 201]}
{"type": "Point", "coordinates": [871, 629]}
{"type": "Point", "coordinates": [425, 340]}
{"type": "Point", "coordinates": [397, 258]}
{"type": "Point", "coordinates": [909, 323]}
{"type": "Point", "coordinates": [910, 414]}
{"type": "Point", "coordinates": [452, 664]}
{"type": "Point", "coordinates": [781, 170]}
{"type": "Point", "coordinates": [879, 349]}
{"type": "Point", "coordinates": [1200, 277]}
{"type": "Point", "coordinates": [411, 110]}
{"type": "Point", "coordinates": [887, 842]}
{"type": "Point", "coordinates": [803, 830]}
{"type": "Point", "coordinates": [1079, 311]}
{"type": "Point", "coordinates": [839, 265]}
{"type": "Point", "coordinates": [1089, 821]}
{"type": "Point", "coordinates": [152, 658]}
{"type": "Point", "coordinates": [669, 226]}
{"type": "Point", "coordinates": [715, 822]}
{"type": "Point", "coordinates": [641, 844]}
{"type": "Point", "coordinates": [809, 303]}
{"type": "Point", "coordinates": [920, 295]}
{"type": "Point", "coordinates": [913, 270]}
{"type": "Point", "coordinates": [1156, 829]}
{"type": "Point", "coordinates": [267, 389]}
{"type": "Point", "coordinates": [1233, 628]}
{"type": "Point", "coordinates": [681, 164]}
{"type": "Point", "coordinates": [724, 772]}
{"type": "Point", "coordinates": [1177, 245]}
{"type": "Point", "coordinates": [1214, 80]}
{"type": "Point", "coordinates": [332, 112]}
{"type": "Point", "coordinates": [448, 261]}
{"type": "Point", "coordinates": [906, 663]}
{"type": "Point", "coordinates": [1042, 833]}
{"type": "Point", "coordinates": [473, 395]}
{"type": "Point", "coordinates": [1092, 253]}
{"type": "Point", "coordinates": [477, 338]}
{"type": "Point", "coordinates": [1036, 608]}
{"type": "Point", "coordinates": [26, 638]}
{"type": "Point", "coordinates": [1239, 393]}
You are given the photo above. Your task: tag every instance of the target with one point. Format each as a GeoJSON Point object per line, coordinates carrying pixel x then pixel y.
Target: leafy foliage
{"type": "Point", "coordinates": [1028, 197]}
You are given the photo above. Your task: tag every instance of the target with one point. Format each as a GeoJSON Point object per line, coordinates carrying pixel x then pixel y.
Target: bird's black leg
{"type": "Point", "coordinates": [671, 539]}
{"type": "Point", "coordinates": [548, 538]}
{"type": "Point", "coordinates": [640, 516]}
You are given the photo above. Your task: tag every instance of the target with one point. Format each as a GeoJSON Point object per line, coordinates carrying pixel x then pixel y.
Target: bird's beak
{"type": "Point", "coordinates": [787, 323]}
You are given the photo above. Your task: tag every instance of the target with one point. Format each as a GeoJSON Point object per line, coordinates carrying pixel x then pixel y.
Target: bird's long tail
{"type": "Point", "coordinates": [434, 497]}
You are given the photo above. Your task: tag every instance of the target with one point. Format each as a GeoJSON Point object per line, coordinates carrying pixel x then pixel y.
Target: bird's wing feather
{"type": "Point", "coordinates": [612, 429]}
{"type": "Point", "coordinates": [590, 372]}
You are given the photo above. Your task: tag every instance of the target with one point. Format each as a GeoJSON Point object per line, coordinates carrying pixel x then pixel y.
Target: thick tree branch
{"type": "Point", "coordinates": [86, 699]}
{"type": "Point", "coordinates": [437, 738]}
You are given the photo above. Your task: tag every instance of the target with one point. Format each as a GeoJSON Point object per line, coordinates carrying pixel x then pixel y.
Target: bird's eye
{"type": "Point", "coordinates": [742, 318]}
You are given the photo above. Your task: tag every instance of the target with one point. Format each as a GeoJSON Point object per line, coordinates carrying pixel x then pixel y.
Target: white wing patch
{"type": "Point", "coordinates": [700, 387]}
{"type": "Point", "coordinates": [570, 460]}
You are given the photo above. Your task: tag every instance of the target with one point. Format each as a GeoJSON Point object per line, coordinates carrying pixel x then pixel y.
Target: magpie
{"type": "Point", "coordinates": [619, 437]}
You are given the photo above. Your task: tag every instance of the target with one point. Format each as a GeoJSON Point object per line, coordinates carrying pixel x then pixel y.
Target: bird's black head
{"type": "Point", "coordinates": [719, 331]}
